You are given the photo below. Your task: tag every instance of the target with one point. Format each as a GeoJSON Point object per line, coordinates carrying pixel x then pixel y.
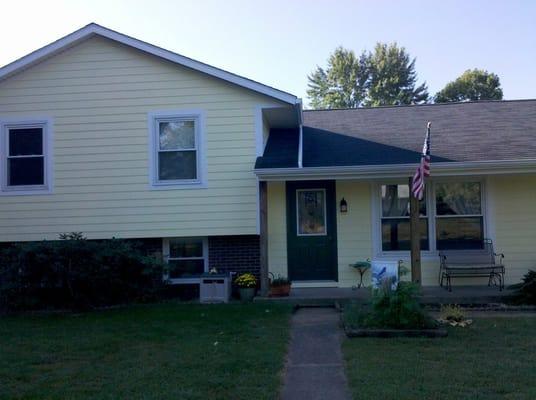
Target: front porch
{"type": "Point", "coordinates": [458, 213]}
{"type": "Point", "coordinates": [431, 295]}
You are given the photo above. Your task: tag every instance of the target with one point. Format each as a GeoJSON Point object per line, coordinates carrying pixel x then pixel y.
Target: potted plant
{"type": "Point", "coordinates": [246, 286]}
{"type": "Point", "coordinates": [280, 286]}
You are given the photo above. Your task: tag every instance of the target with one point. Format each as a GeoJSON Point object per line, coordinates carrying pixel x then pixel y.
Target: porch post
{"type": "Point", "coordinates": [263, 220]}
{"type": "Point", "coordinates": [415, 238]}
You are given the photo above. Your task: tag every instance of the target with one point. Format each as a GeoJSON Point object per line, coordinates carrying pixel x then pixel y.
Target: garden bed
{"type": "Point", "coordinates": [389, 333]}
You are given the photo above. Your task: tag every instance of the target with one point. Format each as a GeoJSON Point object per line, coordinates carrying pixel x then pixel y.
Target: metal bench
{"type": "Point", "coordinates": [472, 263]}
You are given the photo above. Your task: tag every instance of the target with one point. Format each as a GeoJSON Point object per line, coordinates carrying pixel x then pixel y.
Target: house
{"type": "Point", "coordinates": [110, 136]}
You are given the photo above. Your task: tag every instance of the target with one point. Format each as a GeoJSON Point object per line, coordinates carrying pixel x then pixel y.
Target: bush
{"type": "Point", "coordinates": [526, 289]}
{"type": "Point", "coordinates": [391, 309]}
{"type": "Point", "coordinates": [452, 312]}
{"type": "Point", "coordinates": [76, 273]}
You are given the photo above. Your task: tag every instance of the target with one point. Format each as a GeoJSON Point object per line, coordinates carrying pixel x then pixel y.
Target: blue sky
{"type": "Point", "coordinates": [280, 42]}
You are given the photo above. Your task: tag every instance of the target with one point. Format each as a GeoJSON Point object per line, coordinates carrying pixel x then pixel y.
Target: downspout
{"type": "Point", "coordinates": [300, 140]}
{"type": "Point", "coordinates": [300, 148]}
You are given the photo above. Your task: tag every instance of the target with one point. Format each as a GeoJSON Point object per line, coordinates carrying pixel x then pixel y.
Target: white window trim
{"type": "Point", "coordinates": [200, 140]}
{"type": "Point", "coordinates": [165, 252]}
{"type": "Point", "coordinates": [48, 136]}
{"type": "Point", "coordinates": [432, 253]}
{"type": "Point", "coordinates": [298, 215]}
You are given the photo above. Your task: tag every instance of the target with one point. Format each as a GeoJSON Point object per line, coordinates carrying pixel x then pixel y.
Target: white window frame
{"type": "Point", "coordinates": [298, 213]}
{"type": "Point", "coordinates": [427, 217]}
{"type": "Point", "coordinates": [432, 253]}
{"type": "Point", "coordinates": [167, 258]}
{"type": "Point", "coordinates": [46, 125]}
{"type": "Point", "coordinates": [154, 118]}
{"type": "Point", "coordinates": [483, 209]}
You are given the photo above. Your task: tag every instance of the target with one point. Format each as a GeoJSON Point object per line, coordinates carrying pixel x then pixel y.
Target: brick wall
{"type": "Point", "coordinates": [234, 253]}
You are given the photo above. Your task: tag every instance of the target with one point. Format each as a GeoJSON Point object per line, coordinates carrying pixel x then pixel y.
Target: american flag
{"type": "Point", "coordinates": [423, 170]}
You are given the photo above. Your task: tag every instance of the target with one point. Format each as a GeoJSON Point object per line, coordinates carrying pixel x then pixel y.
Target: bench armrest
{"type": "Point", "coordinates": [500, 256]}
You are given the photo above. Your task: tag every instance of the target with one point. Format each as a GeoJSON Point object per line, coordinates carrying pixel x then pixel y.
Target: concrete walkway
{"type": "Point", "coordinates": [315, 369]}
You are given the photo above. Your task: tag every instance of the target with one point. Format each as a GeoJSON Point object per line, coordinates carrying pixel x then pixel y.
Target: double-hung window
{"type": "Point", "coordinates": [25, 157]}
{"type": "Point", "coordinates": [459, 218]}
{"type": "Point", "coordinates": [395, 224]}
{"type": "Point", "coordinates": [456, 219]}
{"type": "Point", "coordinates": [177, 154]}
{"type": "Point", "coordinates": [186, 257]}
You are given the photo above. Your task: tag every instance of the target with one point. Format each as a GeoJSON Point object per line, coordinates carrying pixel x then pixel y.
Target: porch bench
{"type": "Point", "coordinates": [472, 263]}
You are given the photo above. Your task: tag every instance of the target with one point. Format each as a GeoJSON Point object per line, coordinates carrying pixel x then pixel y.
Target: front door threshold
{"type": "Point", "coordinates": [314, 284]}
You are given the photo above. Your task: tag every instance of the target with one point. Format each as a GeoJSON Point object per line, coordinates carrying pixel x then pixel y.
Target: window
{"type": "Point", "coordinates": [187, 258]}
{"type": "Point", "coordinates": [459, 218]}
{"type": "Point", "coordinates": [25, 157]}
{"type": "Point", "coordinates": [456, 219]}
{"type": "Point", "coordinates": [311, 212]}
{"type": "Point", "coordinates": [395, 225]}
{"type": "Point", "coordinates": [177, 149]}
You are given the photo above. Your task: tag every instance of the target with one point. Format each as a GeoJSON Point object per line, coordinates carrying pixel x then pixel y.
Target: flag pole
{"type": "Point", "coordinates": [415, 237]}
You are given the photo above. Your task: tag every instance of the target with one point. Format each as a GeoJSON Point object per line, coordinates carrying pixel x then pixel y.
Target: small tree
{"type": "Point", "coordinates": [472, 85]}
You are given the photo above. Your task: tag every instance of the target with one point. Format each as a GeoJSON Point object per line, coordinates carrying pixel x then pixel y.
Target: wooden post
{"type": "Point", "coordinates": [415, 238]}
{"type": "Point", "coordinates": [263, 221]}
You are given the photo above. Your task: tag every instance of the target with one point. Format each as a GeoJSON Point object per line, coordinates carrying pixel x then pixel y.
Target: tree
{"type": "Point", "coordinates": [472, 85]}
{"type": "Point", "coordinates": [384, 77]}
{"type": "Point", "coordinates": [392, 77]}
{"type": "Point", "coordinates": [342, 84]}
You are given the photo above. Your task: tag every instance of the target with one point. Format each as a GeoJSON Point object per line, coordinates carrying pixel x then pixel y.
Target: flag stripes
{"type": "Point", "coordinates": [423, 170]}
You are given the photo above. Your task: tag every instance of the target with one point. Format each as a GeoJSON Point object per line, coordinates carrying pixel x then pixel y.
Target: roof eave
{"type": "Point", "coordinates": [95, 29]}
{"type": "Point", "coordinates": [387, 171]}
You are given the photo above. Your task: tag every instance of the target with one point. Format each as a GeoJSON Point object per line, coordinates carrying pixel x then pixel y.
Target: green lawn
{"type": "Point", "coordinates": [493, 359]}
{"type": "Point", "coordinates": [169, 351]}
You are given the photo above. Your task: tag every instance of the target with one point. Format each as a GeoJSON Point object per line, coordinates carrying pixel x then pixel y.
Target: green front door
{"type": "Point", "coordinates": [311, 231]}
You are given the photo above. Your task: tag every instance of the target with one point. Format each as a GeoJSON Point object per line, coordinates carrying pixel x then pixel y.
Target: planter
{"type": "Point", "coordinates": [280, 291]}
{"type": "Point", "coordinates": [246, 294]}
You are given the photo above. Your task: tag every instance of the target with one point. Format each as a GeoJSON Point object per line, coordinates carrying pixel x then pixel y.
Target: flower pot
{"type": "Point", "coordinates": [246, 294]}
{"type": "Point", "coordinates": [280, 291]}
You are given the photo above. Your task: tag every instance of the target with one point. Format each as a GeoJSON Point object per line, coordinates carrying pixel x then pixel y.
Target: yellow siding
{"type": "Point", "coordinates": [514, 200]}
{"type": "Point", "coordinates": [99, 94]}
{"type": "Point", "coordinates": [353, 230]}
{"type": "Point", "coordinates": [277, 229]}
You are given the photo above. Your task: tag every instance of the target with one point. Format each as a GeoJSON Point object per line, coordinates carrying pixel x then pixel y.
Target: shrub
{"type": "Point", "coordinates": [526, 289]}
{"type": "Point", "coordinates": [76, 273]}
{"type": "Point", "coordinates": [453, 315]}
{"type": "Point", "coordinates": [452, 312]}
{"type": "Point", "coordinates": [391, 309]}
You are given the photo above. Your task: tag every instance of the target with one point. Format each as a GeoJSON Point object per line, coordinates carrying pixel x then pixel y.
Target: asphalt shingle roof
{"type": "Point", "coordinates": [474, 131]}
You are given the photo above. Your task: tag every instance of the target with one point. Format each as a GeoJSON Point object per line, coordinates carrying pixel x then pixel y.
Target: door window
{"type": "Point", "coordinates": [311, 212]}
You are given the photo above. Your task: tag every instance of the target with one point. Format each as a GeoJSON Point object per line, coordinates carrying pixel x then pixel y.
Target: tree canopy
{"type": "Point", "coordinates": [342, 84]}
{"type": "Point", "coordinates": [385, 76]}
{"type": "Point", "coordinates": [472, 85]}
{"type": "Point", "coordinates": [392, 77]}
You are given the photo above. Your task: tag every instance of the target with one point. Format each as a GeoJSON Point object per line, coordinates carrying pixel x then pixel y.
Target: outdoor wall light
{"type": "Point", "coordinates": [343, 206]}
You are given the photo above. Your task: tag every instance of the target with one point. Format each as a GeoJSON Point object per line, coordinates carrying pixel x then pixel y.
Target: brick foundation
{"type": "Point", "coordinates": [234, 253]}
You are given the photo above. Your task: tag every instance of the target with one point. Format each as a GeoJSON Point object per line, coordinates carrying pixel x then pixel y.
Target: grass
{"type": "Point", "coordinates": [492, 359]}
{"type": "Point", "coordinates": [165, 351]}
